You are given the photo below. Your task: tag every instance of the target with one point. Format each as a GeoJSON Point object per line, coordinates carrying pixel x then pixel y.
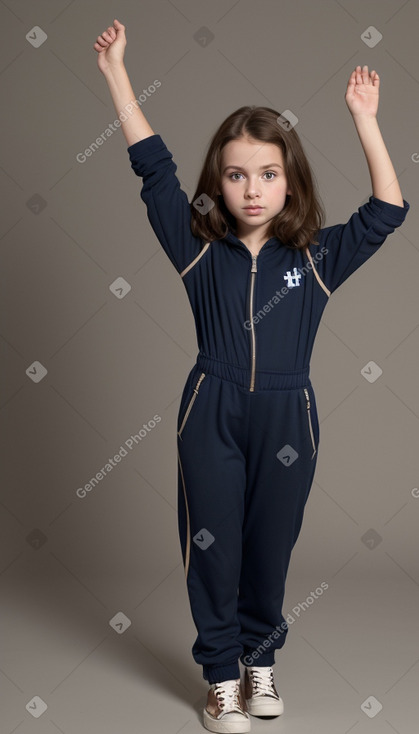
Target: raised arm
{"type": "Point", "coordinates": [111, 47]}
{"type": "Point", "coordinates": [362, 100]}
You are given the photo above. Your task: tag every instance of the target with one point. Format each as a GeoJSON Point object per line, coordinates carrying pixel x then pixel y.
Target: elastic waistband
{"type": "Point", "coordinates": [263, 380]}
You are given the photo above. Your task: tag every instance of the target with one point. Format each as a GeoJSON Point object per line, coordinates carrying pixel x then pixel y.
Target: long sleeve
{"type": "Point", "coordinates": [349, 245]}
{"type": "Point", "coordinates": [168, 208]}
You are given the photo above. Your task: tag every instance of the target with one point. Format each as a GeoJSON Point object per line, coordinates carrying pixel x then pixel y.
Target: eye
{"type": "Point", "coordinates": [237, 173]}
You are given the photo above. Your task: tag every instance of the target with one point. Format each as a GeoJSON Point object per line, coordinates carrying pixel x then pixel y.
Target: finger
{"type": "Point", "coordinates": [358, 75]}
{"type": "Point", "coordinates": [101, 41]}
{"type": "Point", "coordinates": [365, 75]}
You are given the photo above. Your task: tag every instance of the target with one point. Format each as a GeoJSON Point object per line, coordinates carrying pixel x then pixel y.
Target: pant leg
{"type": "Point", "coordinates": [276, 494]}
{"type": "Point", "coordinates": [211, 491]}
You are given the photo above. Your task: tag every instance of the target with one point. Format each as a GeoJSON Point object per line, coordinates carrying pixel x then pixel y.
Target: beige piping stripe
{"type": "Point", "coordinates": [204, 249]}
{"type": "Point", "coordinates": [188, 531]}
{"type": "Point", "coordinates": [326, 290]}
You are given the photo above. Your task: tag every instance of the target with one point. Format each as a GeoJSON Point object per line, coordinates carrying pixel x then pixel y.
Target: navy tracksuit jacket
{"type": "Point", "coordinates": [248, 429]}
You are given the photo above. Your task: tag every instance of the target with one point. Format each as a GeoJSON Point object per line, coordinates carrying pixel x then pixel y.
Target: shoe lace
{"type": "Point", "coordinates": [263, 681]}
{"type": "Point", "coordinates": [227, 694]}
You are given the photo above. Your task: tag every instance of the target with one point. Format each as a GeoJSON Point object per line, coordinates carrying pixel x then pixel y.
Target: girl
{"type": "Point", "coordinates": [258, 269]}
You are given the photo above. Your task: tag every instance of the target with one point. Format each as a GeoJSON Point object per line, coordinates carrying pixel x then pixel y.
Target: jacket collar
{"type": "Point", "coordinates": [231, 238]}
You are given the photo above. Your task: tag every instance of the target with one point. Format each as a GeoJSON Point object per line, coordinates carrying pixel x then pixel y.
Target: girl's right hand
{"type": "Point", "coordinates": [111, 46]}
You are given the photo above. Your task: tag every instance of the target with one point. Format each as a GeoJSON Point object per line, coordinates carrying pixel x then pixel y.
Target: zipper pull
{"type": "Point", "coordinates": [254, 268]}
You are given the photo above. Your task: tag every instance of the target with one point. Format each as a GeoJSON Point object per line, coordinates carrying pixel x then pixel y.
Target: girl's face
{"type": "Point", "coordinates": [252, 173]}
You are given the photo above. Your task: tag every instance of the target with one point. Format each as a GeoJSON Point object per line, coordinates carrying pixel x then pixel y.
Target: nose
{"type": "Point", "coordinates": [252, 190]}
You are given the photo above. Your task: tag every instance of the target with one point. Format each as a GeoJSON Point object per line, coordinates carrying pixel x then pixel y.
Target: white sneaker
{"type": "Point", "coordinates": [226, 709]}
{"type": "Point", "coordinates": [261, 696]}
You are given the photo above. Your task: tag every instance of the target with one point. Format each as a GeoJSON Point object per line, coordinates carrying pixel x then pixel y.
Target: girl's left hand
{"type": "Point", "coordinates": [362, 92]}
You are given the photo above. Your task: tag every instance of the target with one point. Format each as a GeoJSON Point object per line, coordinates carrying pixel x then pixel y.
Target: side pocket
{"type": "Point", "coordinates": [309, 421]}
{"type": "Point", "coordinates": [190, 404]}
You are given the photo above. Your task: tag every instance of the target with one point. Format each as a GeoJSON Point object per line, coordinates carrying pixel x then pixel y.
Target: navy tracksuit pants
{"type": "Point", "coordinates": [246, 465]}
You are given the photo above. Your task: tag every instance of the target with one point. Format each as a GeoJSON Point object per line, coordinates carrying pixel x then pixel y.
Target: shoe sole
{"type": "Point", "coordinates": [226, 726]}
{"type": "Point", "coordinates": [265, 707]}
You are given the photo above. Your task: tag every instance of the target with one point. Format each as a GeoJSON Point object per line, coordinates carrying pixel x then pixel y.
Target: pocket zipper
{"type": "Point", "coordinates": [191, 402]}
{"type": "Point", "coordinates": [309, 421]}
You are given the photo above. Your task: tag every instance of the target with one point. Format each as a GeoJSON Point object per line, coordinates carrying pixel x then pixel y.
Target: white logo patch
{"type": "Point", "coordinates": [293, 279]}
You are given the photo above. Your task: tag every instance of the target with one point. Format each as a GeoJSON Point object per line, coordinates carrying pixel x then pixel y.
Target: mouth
{"type": "Point", "coordinates": [253, 209]}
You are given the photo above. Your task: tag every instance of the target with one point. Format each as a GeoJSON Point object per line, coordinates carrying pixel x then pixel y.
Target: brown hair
{"type": "Point", "coordinates": [303, 214]}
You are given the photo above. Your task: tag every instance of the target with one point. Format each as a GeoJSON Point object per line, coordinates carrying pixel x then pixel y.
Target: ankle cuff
{"type": "Point", "coordinates": [261, 661]}
{"type": "Point", "coordinates": [218, 673]}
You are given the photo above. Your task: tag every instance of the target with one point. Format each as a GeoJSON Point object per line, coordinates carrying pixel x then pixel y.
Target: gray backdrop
{"type": "Point", "coordinates": [85, 363]}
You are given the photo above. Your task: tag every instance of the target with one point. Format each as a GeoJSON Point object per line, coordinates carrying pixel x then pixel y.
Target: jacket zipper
{"type": "Point", "coordinates": [252, 326]}
{"type": "Point", "coordinates": [309, 421]}
{"type": "Point", "coordinates": [191, 402]}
